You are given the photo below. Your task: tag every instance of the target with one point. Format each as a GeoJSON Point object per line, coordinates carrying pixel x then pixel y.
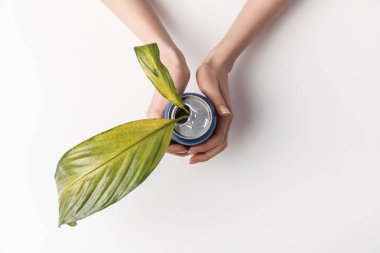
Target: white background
{"type": "Point", "coordinates": [301, 173]}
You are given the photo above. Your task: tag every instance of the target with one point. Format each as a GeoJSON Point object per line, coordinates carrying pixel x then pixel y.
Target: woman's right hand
{"type": "Point", "coordinates": [176, 64]}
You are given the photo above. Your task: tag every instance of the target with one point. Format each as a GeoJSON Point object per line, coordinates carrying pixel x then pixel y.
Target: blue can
{"type": "Point", "coordinates": [200, 124]}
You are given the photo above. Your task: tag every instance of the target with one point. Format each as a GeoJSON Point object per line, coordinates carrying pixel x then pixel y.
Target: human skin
{"type": "Point", "coordinates": [141, 19]}
{"type": "Point", "coordinates": [212, 74]}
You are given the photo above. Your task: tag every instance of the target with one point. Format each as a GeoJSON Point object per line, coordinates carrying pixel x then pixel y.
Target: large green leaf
{"type": "Point", "coordinates": [103, 169]}
{"type": "Point", "coordinates": [149, 59]}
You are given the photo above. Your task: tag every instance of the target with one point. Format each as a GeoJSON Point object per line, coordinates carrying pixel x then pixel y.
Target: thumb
{"type": "Point", "coordinates": [218, 101]}
{"type": "Point", "coordinates": [209, 85]}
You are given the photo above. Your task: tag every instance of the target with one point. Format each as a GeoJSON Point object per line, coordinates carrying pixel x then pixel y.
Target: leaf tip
{"type": "Point", "coordinates": [72, 224]}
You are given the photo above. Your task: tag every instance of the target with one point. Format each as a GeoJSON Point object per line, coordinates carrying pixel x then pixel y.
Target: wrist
{"type": "Point", "coordinates": [220, 58]}
{"type": "Point", "coordinates": [171, 56]}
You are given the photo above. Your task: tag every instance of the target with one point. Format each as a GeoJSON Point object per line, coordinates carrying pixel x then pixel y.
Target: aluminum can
{"type": "Point", "coordinates": [199, 125]}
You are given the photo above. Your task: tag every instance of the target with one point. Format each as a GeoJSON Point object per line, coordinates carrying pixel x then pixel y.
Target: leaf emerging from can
{"type": "Point", "coordinates": [103, 169]}
{"type": "Point", "coordinates": [149, 59]}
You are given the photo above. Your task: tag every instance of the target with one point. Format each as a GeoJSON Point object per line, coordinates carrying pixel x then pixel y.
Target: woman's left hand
{"type": "Point", "coordinates": [213, 82]}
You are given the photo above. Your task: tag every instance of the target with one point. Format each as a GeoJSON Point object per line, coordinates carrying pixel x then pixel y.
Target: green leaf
{"type": "Point", "coordinates": [103, 169]}
{"type": "Point", "coordinates": [149, 59]}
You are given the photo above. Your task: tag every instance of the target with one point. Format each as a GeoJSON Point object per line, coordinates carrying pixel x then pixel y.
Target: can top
{"type": "Point", "coordinates": [199, 120]}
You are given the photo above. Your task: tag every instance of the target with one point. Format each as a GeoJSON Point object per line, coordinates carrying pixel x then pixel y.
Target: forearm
{"type": "Point", "coordinates": [252, 18]}
{"type": "Point", "coordinates": [141, 19]}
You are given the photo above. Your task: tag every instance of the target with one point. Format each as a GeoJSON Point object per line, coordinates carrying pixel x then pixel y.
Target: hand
{"type": "Point", "coordinates": [212, 79]}
{"type": "Point", "coordinates": [175, 62]}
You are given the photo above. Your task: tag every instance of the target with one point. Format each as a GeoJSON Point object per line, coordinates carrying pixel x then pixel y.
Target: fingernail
{"type": "Point", "coordinates": [191, 152]}
{"type": "Point", "coordinates": [224, 110]}
{"type": "Point", "coordinates": [192, 162]}
{"type": "Point", "coordinates": [182, 152]}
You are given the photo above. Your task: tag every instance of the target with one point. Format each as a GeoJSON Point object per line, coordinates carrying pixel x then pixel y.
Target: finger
{"type": "Point", "coordinates": [180, 154]}
{"type": "Point", "coordinates": [225, 91]}
{"type": "Point", "coordinates": [210, 87]}
{"type": "Point", "coordinates": [157, 106]}
{"type": "Point", "coordinates": [223, 121]}
{"type": "Point", "coordinates": [215, 140]}
{"type": "Point", "coordinates": [177, 149]}
{"type": "Point", "coordinates": [220, 105]}
{"type": "Point", "coordinates": [203, 157]}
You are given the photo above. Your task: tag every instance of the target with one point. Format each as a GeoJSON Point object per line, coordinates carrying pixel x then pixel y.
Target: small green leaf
{"type": "Point", "coordinates": [149, 59]}
{"type": "Point", "coordinates": [103, 169]}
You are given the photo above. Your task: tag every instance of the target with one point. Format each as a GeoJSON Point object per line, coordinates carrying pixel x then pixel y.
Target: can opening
{"type": "Point", "coordinates": [180, 113]}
